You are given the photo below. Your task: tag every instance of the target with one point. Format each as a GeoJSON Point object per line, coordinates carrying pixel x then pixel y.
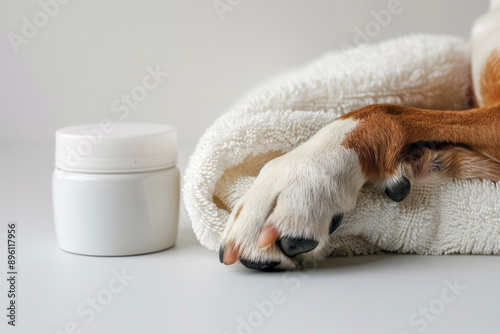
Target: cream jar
{"type": "Point", "coordinates": [115, 188]}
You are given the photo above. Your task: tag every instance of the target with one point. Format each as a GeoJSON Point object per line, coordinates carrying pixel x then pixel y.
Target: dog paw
{"type": "Point", "coordinates": [286, 217]}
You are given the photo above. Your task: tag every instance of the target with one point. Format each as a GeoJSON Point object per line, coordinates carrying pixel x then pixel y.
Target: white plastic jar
{"type": "Point", "coordinates": [116, 188]}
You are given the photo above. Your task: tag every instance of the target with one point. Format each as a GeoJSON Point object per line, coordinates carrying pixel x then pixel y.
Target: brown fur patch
{"type": "Point", "coordinates": [462, 163]}
{"type": "Point", "coordinates": [455, 162]}
{"type": "Point", "coordinates": [489, 83]}
{"type": "Point", "coordinates": [377, 140]}
{"type": "Point", "coordinates": [386, 131]}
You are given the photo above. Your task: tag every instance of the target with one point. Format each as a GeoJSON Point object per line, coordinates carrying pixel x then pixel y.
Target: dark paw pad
{"type": "Point", "coordinates": [400, 190]}
{"type": "Point", "coordinates": [259, 265]}
{"type": "Point", "coordinates": [292, 247]}
{"type": "Point", "coordinates": [335, 223]}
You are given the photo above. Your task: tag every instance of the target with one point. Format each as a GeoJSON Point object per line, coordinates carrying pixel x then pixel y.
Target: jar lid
{"type": "Point", "coordinates": [116, 147]}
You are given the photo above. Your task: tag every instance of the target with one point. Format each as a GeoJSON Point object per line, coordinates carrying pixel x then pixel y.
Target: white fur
{"type": "Point", "coordinates": [486, 38]}
{"type": "Point", "coordinates": [299, 193]}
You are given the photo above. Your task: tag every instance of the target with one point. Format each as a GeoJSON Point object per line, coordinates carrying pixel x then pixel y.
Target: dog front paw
{"type": "Point", "coordinates": [296, 202]}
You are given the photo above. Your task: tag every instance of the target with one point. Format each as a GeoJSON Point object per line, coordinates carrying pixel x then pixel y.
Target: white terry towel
{"type": "Point", "coordinates": [420, 71]}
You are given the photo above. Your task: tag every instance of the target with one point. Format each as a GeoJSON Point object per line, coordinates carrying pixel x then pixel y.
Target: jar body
{"type": "Point", "coordinates": [116, 214]}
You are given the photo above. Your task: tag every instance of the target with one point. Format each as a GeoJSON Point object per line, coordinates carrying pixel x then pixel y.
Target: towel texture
{"type": "Point", "coordinates": [420, 71]}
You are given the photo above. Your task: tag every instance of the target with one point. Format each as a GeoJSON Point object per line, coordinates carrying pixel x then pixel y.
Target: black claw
{"type": "Point", "coordinates": [399, 191]}
{"type": "Point", "coordinates": [335, 223]}
{"type": "Point", "coordinates": [221, 253]}
{"type": "Point", "coordinates": [292, 247]}
{"type": "Point", "coordinates": [259, 265]}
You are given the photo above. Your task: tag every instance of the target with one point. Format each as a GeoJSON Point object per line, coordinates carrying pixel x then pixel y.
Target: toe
{"type": "Point", "coordinates": [259, 265]}
{"type": "Point", "coordinates": [229, 254]}
{"type": "Point", "coordinates": [292, 247]}
{"type": "Point", "coordinates": [268, 235]}
{"type": "Point", "coordinates": [400, 190]}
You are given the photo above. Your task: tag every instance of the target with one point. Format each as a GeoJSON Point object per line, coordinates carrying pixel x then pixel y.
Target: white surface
{"type": "Point", "coordinates": [186, 290]}
{"type": "Point", "coordinates": [116, 147]}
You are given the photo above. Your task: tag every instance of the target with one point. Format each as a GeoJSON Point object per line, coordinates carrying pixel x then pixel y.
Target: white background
{"type": "Point", "coordinates": [90, 53]}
